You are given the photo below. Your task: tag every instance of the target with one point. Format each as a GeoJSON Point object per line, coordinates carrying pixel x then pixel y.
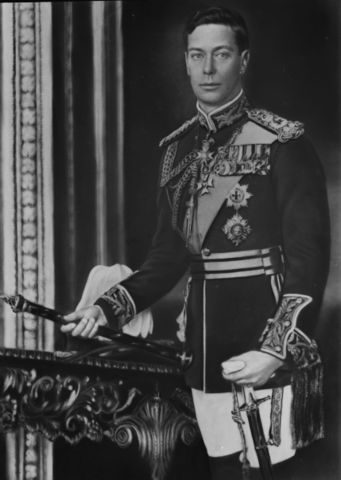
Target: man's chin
{"type": "Point", "coordinates": [209, 97]}
{"type": "Point", "coordinates": [209, 104]}
{"type": "Point", "coordinates": [211, 100]}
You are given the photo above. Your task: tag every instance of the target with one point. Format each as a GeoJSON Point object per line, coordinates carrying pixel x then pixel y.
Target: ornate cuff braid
{"type": "Point", "coordinates": [118, 306]}
{"type": "Point", "coordinates": [284, 340]}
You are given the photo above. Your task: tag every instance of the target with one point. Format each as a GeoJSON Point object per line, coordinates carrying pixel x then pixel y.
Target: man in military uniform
{"type": "Point", "coordinates": [242, 204]}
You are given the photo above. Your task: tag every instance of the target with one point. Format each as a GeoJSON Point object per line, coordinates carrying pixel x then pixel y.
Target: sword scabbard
{"type": "Point", "coordinates": [251, 407]}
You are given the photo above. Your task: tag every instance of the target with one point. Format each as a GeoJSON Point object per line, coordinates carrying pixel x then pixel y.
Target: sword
{"type": "Point", "coordinates": [251, 407]}
{"type": "Point", "coordinates": [18, 303]}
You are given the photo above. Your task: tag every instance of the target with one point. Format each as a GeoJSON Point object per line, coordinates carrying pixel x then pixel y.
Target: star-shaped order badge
{"type": "Point", "coordinates": [237, 229]}
{"type": "Point", "coordinates": [238, 197]}
{"type": "Point", "coordinates": [204, 184]}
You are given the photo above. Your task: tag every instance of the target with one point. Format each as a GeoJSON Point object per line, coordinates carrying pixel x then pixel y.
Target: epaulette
{"type": "Point", "coordinates": [283, 128]}
{"type": "Point", "coordinates": [179, 131]}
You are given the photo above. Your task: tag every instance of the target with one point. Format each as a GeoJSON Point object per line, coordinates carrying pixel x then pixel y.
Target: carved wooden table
{"type": "Point", "coordinates": [97, 397]}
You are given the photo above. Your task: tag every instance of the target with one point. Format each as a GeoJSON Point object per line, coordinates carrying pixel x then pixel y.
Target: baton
{"type": "Point", "coordinates": [18, 303]}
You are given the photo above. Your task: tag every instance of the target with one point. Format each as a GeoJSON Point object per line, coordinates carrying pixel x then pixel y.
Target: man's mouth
{"type": "Point", "coordinates": [209, 86]}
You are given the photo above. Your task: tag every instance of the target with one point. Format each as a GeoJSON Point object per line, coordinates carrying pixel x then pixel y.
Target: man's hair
{"type": "Point", "coordinates": [220, 16]}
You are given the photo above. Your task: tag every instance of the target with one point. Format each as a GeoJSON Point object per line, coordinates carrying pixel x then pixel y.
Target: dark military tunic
{"type": "Point", "coordinates": [242, 204]}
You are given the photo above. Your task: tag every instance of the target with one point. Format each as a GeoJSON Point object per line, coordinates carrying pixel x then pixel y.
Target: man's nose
{"type": "Point", "coordinates": [209, 65]}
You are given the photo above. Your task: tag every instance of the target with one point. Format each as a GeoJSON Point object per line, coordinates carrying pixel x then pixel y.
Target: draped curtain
{"type": "Point", "coordinates": [62, 184]}
{"type": "Point", "coordinates": [88, 143]}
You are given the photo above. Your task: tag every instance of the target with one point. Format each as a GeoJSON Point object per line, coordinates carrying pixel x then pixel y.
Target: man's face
{"type": "Point", "coordinates": [214, 64]}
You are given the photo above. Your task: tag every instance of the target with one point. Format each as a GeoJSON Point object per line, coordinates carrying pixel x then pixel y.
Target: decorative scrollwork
{"type": "Point", "coordinates": [156, 424]}
{"type": "Point", "coordinates": [122, 436]}
{"type": "Point", "coordinates": [75, 407]}
{"type": "Point", "coordinates": [8, 414]}
{"type": "Point", "coordinates": [16, 380]}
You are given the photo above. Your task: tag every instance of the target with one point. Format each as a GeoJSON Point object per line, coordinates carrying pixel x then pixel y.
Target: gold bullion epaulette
{"type": "Point", "coordinates": [179, 131]}
{"type": "Point", "coordinates": [283, 128]}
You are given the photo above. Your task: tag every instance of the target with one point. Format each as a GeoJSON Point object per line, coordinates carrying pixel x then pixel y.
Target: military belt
{"type": "Point", "coordinates": [246, 263]}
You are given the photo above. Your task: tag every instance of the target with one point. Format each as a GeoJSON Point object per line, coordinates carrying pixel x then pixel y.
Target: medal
{"type": "Point", "coordinates": [206, 160]}
{"type": "Point", "coordinates": [237, 229]}
{"type": "Point", "coordinates": [238, 197]}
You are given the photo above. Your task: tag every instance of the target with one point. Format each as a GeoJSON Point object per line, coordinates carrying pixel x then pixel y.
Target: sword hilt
{"type": "Point", "coordinates": [250, 401]}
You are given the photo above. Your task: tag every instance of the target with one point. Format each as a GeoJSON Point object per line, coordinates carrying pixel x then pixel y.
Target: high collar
{"type": "Point", "coordinates": [225, 115]}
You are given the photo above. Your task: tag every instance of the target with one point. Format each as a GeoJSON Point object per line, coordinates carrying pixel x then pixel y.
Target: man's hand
{"type": "Point", "coordinates": [85, 322]}
{"type": "Point", "coordinates": [255, 368]}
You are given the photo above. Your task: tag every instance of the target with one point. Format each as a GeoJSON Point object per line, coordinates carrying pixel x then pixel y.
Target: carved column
{"type": "Point", "coordinates": [27, 198]}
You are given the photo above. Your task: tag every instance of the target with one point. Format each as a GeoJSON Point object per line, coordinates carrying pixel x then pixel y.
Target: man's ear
{"type": "Point", "coordinates": [186, 61]}
{"type": "Point", "coordinates": [245, 58]}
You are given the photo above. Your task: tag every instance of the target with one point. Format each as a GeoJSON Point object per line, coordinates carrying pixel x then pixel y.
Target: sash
{"type": "Point", "coordinates": [209, 204]}
{"type": "Point", "coordinates": [207, 207]}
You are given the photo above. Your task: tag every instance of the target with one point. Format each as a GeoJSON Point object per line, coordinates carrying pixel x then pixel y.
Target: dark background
{"type": "Point", "coordinates": [294, 71]}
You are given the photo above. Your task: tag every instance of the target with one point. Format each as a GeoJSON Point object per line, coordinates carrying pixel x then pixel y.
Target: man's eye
{"type": "Point", "coordinates": [196, 56]}
{"type": "Point", "coordinates": [222, 55]}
